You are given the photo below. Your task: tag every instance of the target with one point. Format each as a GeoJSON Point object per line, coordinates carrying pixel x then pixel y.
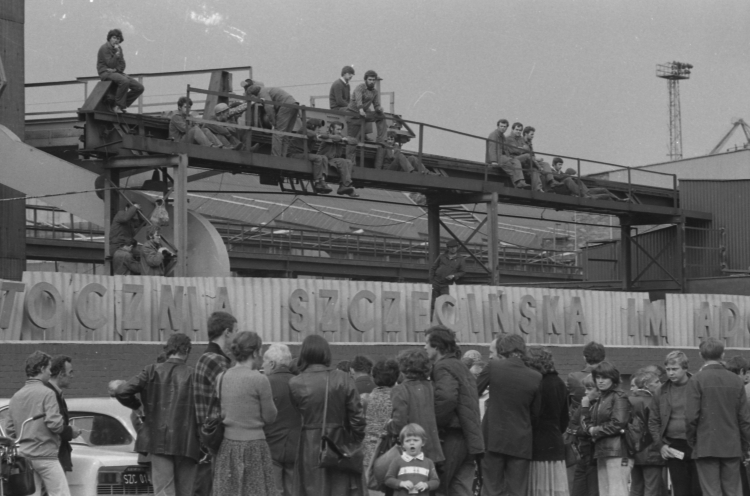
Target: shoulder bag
{"type": "Point", "coordinates": [337, 451]}
{"type": "Point", "coordinates": [212, 428]}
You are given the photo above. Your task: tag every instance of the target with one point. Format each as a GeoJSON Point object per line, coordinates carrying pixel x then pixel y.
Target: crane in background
{"type": "Point", "coordinates": [673, 72]}
{"type": "Point", "coordinates": [739, 123]}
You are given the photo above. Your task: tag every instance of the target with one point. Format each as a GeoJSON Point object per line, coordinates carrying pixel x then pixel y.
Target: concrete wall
{"type": "Point", "coordinates": [96, 364]}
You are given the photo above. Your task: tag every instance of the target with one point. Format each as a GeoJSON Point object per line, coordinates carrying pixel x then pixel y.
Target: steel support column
{"type": "Point", "coordinates": [433, 232]}
{"type": "Point", "coordinates": [180, 215]}
{"type": "Point", "coordinates": [681, 253]}
{"type": "Point", "coordinates": [111, 204]}
{"type": "Point", "coordinates": [626, 267]}
{"type": "Point", "coordinates": [493, 254]}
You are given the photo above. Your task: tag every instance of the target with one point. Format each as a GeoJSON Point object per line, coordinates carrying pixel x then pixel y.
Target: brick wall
{"type": "Point", "coordinates": [96, 364]}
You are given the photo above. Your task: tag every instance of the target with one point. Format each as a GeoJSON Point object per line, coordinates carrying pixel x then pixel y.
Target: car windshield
{"type": "Point", "coordinates": [99, 430]}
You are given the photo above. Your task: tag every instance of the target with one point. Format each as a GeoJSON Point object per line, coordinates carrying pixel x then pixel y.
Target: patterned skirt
{"type": "Point", "coordinates": [244, 468]}
{"type": "Point", "coordinates": [548, 479]}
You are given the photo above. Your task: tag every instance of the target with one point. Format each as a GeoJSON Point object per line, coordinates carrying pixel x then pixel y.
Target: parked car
{"type": "Point", "coordinates": [103, 458]}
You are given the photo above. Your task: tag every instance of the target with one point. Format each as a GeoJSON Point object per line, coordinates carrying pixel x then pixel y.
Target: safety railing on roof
{"type": "Point", "coordinates": [83, 83]}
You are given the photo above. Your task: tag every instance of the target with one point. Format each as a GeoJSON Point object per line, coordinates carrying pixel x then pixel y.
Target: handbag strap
{"type": "Point", "coordinates": [325, 408]}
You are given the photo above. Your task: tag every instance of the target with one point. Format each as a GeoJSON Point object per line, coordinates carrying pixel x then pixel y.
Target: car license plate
{"type": "Point", "coordinates": [136, 476]}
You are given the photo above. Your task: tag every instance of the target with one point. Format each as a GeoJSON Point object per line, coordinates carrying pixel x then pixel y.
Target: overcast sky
{"type": "Point", "coordinates": [582, 72]}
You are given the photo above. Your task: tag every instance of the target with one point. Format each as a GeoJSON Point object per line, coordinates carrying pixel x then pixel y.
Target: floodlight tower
{"type": "Point", "coordinates": [673, 72]}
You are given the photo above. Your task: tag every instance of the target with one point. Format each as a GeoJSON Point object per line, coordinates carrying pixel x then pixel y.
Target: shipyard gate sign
{"type": "Point", "coordinates": [78, 307]}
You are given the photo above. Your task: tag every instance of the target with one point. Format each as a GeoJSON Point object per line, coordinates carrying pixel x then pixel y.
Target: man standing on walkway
{"type": "Point", "coordinates": [513, 405]}
{"type": "Point", "coordinates": [446, 270]}
{"type": "Point", "coordinates": [340, 94]}
{"type": "Point", "coordinates": [717, 421]}
{"type": "Point", "coordinates": [125, 224]}
{"type": "Point", "coordinates": [221, 326]}
{"type": "Point", "coordinates": [41, 438]}
{"type": "Point", "coordinates": [61, 375]}
{"type": "Point", "coordinates": [497, 155]}
{"type": "Point", "coordinates": [281, 118]}
{"type": "Point", "coordinates": [110, 65]}
{"type": "Point", "coordinates": [365, 105]}
{"type": "Point", "coordinates": [283, 434]}
{"type": "Point", "coordinates": [456, 412]}
{"type": "Point", "coordinates": [169, 432]}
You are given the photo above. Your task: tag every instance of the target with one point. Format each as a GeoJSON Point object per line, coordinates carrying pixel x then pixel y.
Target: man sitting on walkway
{"type": "Point", "coordinates": [365, 104]}
{"type": "Point", "coordinates": [497, 155]}
{"type": "Point", "coordinates": [335, 151]}
{"type": "Point", "coordinates": [185, 131]}
{"type": "Point", "coordinates": [227, 113]}
{"type": "Point", "coordinates": [396, 160]}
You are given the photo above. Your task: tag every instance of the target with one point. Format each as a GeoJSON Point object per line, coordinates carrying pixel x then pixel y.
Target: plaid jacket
{"type": "Point", "coordinates": [211, 363]}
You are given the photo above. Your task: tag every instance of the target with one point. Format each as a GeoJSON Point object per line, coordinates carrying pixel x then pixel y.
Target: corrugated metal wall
{"type": "Point", "coordinates": [729, 202]}
{"type": "Point", "coordinates": [263, 305]}
{"type": "Point", "coordinates": [694, 316]}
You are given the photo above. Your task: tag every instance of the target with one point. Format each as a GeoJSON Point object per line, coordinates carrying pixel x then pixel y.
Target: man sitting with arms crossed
{"type": "Point", "coordinates": [497, 155]}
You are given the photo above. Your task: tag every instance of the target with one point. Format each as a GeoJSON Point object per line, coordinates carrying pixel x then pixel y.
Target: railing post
{"type": "Point", "coordinates": [674, 190]}
{"type": "Point", "coordinates": [421, 141]}
{"type": "Point", "coordinates": [140, 98]}
{"type": "Point", "coordinates": [362, 142]}
{"type": "Point", "coordinates": [630, 185]}
{"type": "Point", "coordinates": [304, 133]}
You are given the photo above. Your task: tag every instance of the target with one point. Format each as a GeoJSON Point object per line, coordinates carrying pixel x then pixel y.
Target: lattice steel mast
{"type": "Point", "coordinates": [673, 72]}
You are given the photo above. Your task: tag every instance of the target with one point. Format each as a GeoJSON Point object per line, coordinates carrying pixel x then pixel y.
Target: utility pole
{"type": "Point", "coordinates": [673, 72]}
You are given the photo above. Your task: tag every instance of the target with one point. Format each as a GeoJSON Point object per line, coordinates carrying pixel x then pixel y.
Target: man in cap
{"type": "Point", "coordinates": [498, 157]}
{"type": "Point", "coordinates": [365, 104]}
{"type": "Point", "coordinates": [340, 94]}
{"type": "Point", "coordinates": [110, 65]}
{"type": "Point", "coordinates": [280, 118]}
{"type": "Point", "coordinates": [227, 113]}
{"type": "Point", "coordinates": [446, 270]}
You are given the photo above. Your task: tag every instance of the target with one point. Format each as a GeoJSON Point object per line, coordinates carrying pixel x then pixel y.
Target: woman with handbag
{"type": "Point", "coordinates": [606, 422]}
{"type": "Point", "coordinates": [330, 457]}
{"type": "Point", "coordinates": [243, 464]}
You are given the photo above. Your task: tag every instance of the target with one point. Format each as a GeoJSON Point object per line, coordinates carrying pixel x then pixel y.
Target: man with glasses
{"type": "Point", "coordinates": [365, 105]}
{"type": "Point", "coordinates": [498, 157]}
{"type": "Point", "coordinates": [110, 65]}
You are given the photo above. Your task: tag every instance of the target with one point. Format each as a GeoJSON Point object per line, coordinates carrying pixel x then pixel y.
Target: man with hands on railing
{"type": "Point", "coordinates": [280, 118]}
{"type": "Point", "coordinates": [497, 155]}
{"type": "Point", "coordinates": [365, 105]}
{"type": "Point", "coordinates": [396, 160]}
{"type": "Point", "coordinates": [110, 65]}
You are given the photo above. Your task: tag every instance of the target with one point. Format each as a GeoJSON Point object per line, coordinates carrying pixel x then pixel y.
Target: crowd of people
{"type": "Point", "coordinates": [459, 425]}
{"type": "Point", "coordinates": [513, 154]}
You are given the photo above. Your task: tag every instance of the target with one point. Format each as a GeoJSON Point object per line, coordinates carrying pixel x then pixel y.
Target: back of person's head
{"type": "Point", "coordinates": [473, 355]}
{"type": "Point", "coordinates": [245, 345]}
{"type": "Point", "coordinates": [711, 349]}
{"type": "Point", "coordinates": [361, 364]}
{"type": "Point", "coordinates": [278, 353]}
{"type": "Point", "coordinates": [478, 367]}
{"type": "Point", "coordinates": [528, 129]}
{"type": "Point", "coordinates": [607, 371]}
{"type": "Point", "coordinates": [184, 100]}
{"type": "Point", "coordinates": [347, 70]}
{"type": "Point", "coordinates": [676, 357]}
{"type": "Point", "coordinates": [343, 365]}
{"type": "Point", "coordinates": [571, 172]}
{"type": "Point", "coordinates": [468, 361]}
{"type": "Point", "coordinates": [36, 363]}
{"type": "Point", "coordinates": [737, 365]}
{"type": "Point", "coordinates": [414, 364]}
{"type": "Point", "coordinates": [253, 90]}
{"type": "Point", "coordinates": [542, 360]}
{"type": "Point", "coordinates": [315, 351]}
{"type": "Point", "coordinates": [645, 378]}
{"type": "Point", "coordinates": [511, 345]}
{"type": "Point", "coordinates": [161, 357]}
{"type": "Point", "coordinates": [219, 322]}
{"type": "Point", "coordinates": [385, 373]}
{"type": "Point", "coordinates": [177, 344]}
{"type": "Point", "coordinates": [412, 430]}
{"type": "Point", "coordinates": [594, 353]}
{"type": "Point", "coordinates": [58, 365]}
{"type": "Point", "coordinates": [443, 340]}
{"type": "Point", "coordinates": [115, 32]}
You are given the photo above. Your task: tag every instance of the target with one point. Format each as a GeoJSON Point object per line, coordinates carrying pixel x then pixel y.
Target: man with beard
{"type": "Point", "coordinates": [365, 104]}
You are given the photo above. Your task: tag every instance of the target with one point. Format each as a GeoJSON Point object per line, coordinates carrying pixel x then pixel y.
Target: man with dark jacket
{"type": "Point", "coordinates": [717, 420]}
{"type": "Point", "coordinates": [340, 94]}
{"type": "Point", "coordinates": [283, 434]}
{"type": "Point", "coordinates": [646, 475]}
{"type": "Point", "coordinates": [360, 368]}
{"type": "Point", "coordinates": [456, 412]}
{"type": "Point", "coordinates": [213, 361]}
{"type": "Point", "coordinates": [61, 375]}
{"type": "Point", "coordinates": [110, 65]}
{"type": "Point", "coordinates": [335, 151]}
{"type": "Point", "coordinates": [497, 155]}
{"type": "Point", "coordinates": [125, 224]}
{"type": "Point", "coordinates": [513, 406]}
{"type": "Point", "coordinates": [153, 254]}
{"type": "Point", "coordinates": [365, 106]}
{"type": "Point", "coordinates": [666, 423]}
{"type": "Point", "coordinates": [281, 118]}
{"type": "Point", "coordinates": [169, 428]}
{"type": "Point", "coordinates": [446, 270]}
{"type": "Point", "coordinates": [123, 262]}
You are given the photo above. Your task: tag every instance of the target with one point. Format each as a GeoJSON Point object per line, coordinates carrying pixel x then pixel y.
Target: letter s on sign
{"type": "Point", "coordinates": [299, 315]}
